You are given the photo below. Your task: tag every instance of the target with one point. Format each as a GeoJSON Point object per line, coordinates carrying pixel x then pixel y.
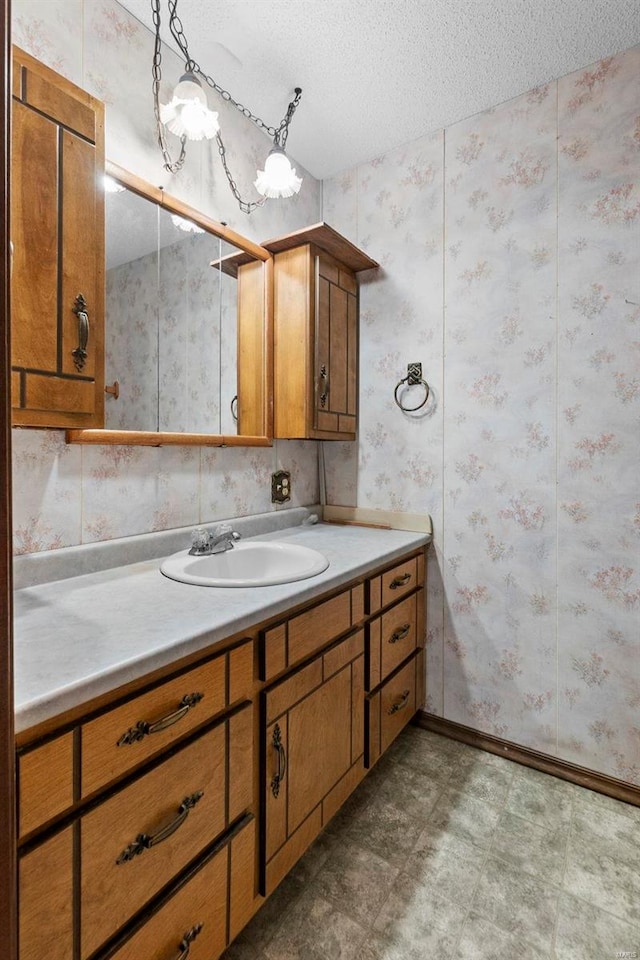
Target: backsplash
{"type": "Point", "coordinates": [510, 251]}
{"type": "Point", "coordinates": [67, 495]}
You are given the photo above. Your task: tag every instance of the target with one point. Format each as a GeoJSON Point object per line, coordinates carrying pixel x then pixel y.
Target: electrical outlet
{"type": "Point", "coordinates": [280, 487]}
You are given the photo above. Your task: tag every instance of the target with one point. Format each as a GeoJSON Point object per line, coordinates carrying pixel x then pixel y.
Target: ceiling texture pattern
{"type": "Point", "coordinates": [379, 73]}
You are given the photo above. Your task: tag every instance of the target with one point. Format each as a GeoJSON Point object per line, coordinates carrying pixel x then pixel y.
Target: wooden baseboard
{"type": "Point", "coordinates": [618, 789]}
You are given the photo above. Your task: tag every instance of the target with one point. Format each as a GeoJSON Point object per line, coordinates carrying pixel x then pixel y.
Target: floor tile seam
{"type": "Point", "coordinates": [537, 823]}
{"type": "Point", "coordinates": [358, 923]}
{"type": "Point", "coordinates": [275, 926]}
{"type": "Point", "coordinates": [366, 850]}
{"type": "Point", "coordinates": [596, 906]}
{"type": "Point", "coordinates": [472, 900]}
{"type": "Point", "coordinates": [535, 876]}
{"type": "Point", "coordinates": [616, 859]}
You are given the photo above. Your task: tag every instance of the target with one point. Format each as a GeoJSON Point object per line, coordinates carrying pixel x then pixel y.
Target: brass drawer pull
{"type": "Point", "coordinates": [400, 633]}
{"type": "Point", "coordinates": [399, 581]}
{"type": "Point", "coordinates": [400, 703]}
{"type": "Point", "coordinates": [278, 777]}
{"type": "Point", "coordinates": [143, 728]}
{"type": "Point", "coordinates": [144, 840]}
{"type": "Point", "coordinates": [185, 944]}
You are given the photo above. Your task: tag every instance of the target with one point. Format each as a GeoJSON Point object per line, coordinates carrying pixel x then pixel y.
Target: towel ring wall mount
{"type": "Point", "coordinates": [413, 378]}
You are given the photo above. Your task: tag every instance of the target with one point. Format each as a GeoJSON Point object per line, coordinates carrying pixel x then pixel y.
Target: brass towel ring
{"type": "Point", "coordinates": [413, 378]}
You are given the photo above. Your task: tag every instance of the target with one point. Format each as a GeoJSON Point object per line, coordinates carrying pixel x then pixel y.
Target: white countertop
{"type": "Point", "coordinates": [78, 638]}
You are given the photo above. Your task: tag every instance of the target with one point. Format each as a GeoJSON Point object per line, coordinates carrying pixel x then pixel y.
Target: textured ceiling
{"type": "Point", "coordinates": [378, 73]}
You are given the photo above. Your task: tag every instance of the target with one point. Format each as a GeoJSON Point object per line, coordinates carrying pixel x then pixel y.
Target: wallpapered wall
{"type": "Point", "coordinates": [67, 495]}
{"type": "Point", "coordinates": [510, 247]}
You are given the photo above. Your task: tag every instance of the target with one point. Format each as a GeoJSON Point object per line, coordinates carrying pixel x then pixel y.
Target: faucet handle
{"type": "Point", "coordinates": [200, 538]}
{"type": "Point", "coordinates": [226, 530]}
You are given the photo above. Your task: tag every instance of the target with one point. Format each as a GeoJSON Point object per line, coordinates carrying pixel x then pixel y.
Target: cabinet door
{"type": "Point", "coordinates": [313, 738]}
{"type": "Point", "coordinates": [336, 348]}
{"type": "Point", "coordinates": [57, 214]}
{"type": "Point", "coordinates": [46, 900]}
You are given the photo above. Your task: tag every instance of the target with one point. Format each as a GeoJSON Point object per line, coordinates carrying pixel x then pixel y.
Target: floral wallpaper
{"type": "Point", "coordinates": [509, 246]}
{"type": "Point", "coordinates": [66, 495]}
{"type": "Point", "coordinates": [510, 251]}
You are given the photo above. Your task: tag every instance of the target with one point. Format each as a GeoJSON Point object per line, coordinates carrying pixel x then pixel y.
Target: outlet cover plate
{"type": "Point", "coordinates": [280, 487]}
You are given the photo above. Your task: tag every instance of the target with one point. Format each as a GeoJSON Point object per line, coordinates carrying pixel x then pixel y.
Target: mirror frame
{"type": "Point", "coordinates": [150, 438]}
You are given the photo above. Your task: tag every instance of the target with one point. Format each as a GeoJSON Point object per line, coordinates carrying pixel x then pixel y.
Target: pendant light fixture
{"type": "Point", "coordinates": [188, 117]}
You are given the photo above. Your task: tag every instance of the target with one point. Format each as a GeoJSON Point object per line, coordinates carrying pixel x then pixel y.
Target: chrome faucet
{"type": "Point", "coordinates": [205, 542]}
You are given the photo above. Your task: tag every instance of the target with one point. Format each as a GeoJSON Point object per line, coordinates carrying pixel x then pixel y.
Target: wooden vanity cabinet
{"type": "Point", "coordinates": [57, 232]}
{"type": "Point", "coordinates": [156, 796]}
{"type": "Point", "coordinates": [316, 333]}
{"type": "Point", "coordinates": [175, 808]}
{"type": "Point", "coordinates": [313, 750]}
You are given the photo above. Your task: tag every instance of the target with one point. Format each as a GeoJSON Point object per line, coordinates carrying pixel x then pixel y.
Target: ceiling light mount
{"type": "Point", "coordinates": [189, 118]}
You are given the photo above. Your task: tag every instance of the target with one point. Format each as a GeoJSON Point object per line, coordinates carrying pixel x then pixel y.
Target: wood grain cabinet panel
{"type": "Point", "coordinates": [45, 782]}
{"type": "Point", "coordinates": [46, 900]}
{"type": "Point", "coordinates": [394, 583]}
{"type": "Point", "coordinates": [397, 703]}
{"type": "Point", "coordinates": [122, 738]}
{"type": "Point", "coordinates": [57, 225]}
{"type": "Point", "coordinates": [195, 918]}
{"type": "Point", "coordinates": [309, 749]}
{"type": "Point", "coordinates": [136, 841]}
{"type": "Point", "coordinates": [316, 334]}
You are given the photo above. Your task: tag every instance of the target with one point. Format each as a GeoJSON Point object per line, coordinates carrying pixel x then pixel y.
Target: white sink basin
{"type": "Point", "coordinates": [248, 564]}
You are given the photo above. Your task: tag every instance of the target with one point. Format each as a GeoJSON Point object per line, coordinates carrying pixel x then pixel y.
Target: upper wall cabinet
{"type": "Point", "coordinates": [316, 333]}
{"type": "Point", "coordinates": [57, 231]}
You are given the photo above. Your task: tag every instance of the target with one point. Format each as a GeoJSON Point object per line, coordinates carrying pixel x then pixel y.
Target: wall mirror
{"type": "Point", "coordinates": [187, 325]}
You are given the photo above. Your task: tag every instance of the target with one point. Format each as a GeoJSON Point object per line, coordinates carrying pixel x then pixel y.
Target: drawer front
{"type": "Point", "coordinates": [46, 900]}
{"type": "Point", "coordinates": [397, 703]}
{"type": "Point", "coordinates": [393, 584]}
{"type": "Point", "coordinates": [119, 740]}
{"type": "Point", "coordinates": [195, 917]}
{"type": "Point", "coordinates": [287, 644]}
{"type": "Point", "coordinates": [207, 911]}
{"type": "Point", "coordinates": [138, 839]}
{"type": "Point", "coordinates": [392, 637]}
{"type": "Point", "coordinates": [45, 782]}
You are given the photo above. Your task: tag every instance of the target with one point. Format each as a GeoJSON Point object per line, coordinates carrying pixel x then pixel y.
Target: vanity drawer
{"type": "Point", "coordinates": [392, 637]}
{"type": "Point", "coordinates": [45, 782]}
{"type": "Point", "coordinates": [394, 583]}
{"type": "Point", "coordinates": [389, 710]}
{"type": "Point", "coordinates": [288, 643]}
{"type": "Point", "coordinates": [141, 837]}
{"type": "Point", "coordinates": [122, 738]}
{"type": "Point", "coordinates": [194, 917]}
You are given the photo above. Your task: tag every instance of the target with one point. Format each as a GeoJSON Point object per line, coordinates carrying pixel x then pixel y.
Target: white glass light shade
{"type": "Point", "coordinates": [278, 179]}
{"type": "Point", "coordinates": [188, 226]}
{"type": "Point", "coordinates": [188, 114]}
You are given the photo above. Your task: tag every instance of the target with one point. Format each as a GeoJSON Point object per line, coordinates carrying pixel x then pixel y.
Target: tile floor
{"type": "Point", "coordinates": [449, 853]}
